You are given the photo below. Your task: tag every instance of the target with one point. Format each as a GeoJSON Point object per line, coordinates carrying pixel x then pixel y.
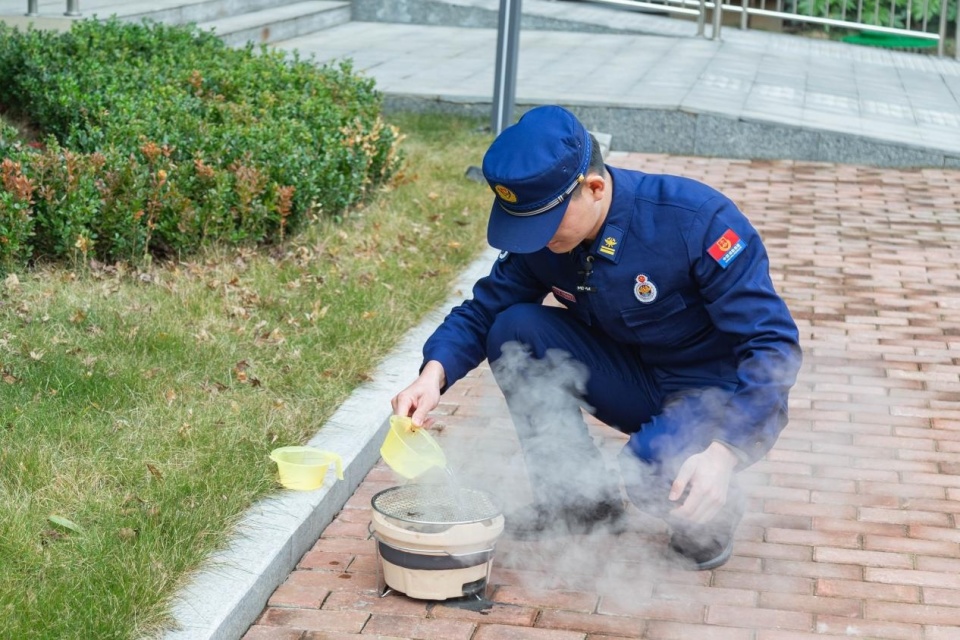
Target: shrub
{"type": "Point", "coordinates": [886, 13]}
{"type": "Point", "coordinates": [162, 139]}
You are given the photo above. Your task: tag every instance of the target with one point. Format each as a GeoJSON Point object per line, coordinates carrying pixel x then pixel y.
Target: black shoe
{"type": "Point", "coordinates": [708, 546]}
{"type": "Point", "coordinates": [540, 521]}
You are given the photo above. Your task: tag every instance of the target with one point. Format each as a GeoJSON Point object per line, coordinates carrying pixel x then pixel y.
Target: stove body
{"type": "Point", "coordinates": [434, 542]}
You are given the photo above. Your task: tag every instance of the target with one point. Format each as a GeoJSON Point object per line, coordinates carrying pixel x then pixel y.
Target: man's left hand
{"type": "Point", "coordinates": [708, 475]}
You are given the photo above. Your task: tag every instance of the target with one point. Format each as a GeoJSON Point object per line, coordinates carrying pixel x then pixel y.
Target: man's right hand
{"type": "Point", "coordinates": [422, 396]}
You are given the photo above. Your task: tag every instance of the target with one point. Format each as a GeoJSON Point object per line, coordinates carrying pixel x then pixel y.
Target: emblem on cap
{"type": "Point", "coordinates": [645, 290]}
{"type": "Point", "coordinates": [505, 193]}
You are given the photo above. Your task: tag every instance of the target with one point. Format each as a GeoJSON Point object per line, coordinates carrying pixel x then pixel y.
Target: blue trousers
{"type": "Point", "coordinates": [550, 365]}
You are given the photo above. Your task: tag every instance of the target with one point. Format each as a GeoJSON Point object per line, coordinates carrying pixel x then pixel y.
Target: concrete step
{"type": "Point", "coordinates": [279, 23]}
{"type": "Point", "coordinates": [197, 11]}
{"type": "Point", "coordinates": [164, 11]}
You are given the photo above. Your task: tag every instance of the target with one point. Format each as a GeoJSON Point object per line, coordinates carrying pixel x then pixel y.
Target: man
{"type": "Point", "coordinates": [670, 330]}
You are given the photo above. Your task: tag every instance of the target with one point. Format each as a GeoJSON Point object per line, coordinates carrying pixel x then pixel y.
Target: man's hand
{"type": "Point", "coordinates": [422, 396]}
{"type": "Point", "coordinates": [708, 476]}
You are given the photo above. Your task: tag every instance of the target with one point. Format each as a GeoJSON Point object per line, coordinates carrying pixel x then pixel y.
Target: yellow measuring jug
{"type": "Point", "coordinates": [410, 450]}
{"type": "Point", "coordinates": [304, 468]}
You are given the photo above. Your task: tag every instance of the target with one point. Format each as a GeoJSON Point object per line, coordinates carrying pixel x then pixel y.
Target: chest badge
{"type": "Point", "coordinates": [645, 290]}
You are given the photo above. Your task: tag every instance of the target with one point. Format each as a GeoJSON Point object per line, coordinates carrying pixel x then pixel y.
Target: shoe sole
{"type": "Point", "coordinates": [706, 565]}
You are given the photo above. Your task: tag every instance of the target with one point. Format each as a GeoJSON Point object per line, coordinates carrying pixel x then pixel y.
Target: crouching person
{"type": "Point", "coordinates": [669, 329]}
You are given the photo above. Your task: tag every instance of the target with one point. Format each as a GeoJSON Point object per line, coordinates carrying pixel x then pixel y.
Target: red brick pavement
{"type": "Point", "coordinates": [853, 527]}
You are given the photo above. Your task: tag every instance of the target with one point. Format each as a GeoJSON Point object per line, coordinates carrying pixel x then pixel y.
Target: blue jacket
{"type": "Point", "coordinates": [678, 273]}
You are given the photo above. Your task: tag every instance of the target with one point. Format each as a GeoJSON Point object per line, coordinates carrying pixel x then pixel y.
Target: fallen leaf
{"type": "Point", "coordinates": [155, 471]}
{"type": "Point", "coordinates": [64, 523]}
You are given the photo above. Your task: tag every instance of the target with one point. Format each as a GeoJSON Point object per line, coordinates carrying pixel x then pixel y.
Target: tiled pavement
{"type": "Point", "coordinates": [853, 528]}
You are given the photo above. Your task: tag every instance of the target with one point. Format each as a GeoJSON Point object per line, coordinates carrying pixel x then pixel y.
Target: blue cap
{"type": "Point", "coordinates": [533, 168]}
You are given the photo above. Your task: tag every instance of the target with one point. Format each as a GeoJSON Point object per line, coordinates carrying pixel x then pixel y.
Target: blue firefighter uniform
{"type": "Point", "coordinates": [671, 310]}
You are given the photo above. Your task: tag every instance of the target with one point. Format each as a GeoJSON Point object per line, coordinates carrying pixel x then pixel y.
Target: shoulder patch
{"type": "Point", "coordinates": [726, 248]}
{"type": "Point", "coordinates": [610, 240]}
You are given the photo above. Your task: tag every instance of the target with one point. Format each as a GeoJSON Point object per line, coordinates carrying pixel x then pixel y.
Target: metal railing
{"type": "Point", "coordinates": [73, 8]}
{"type": "Point", "coordinates": [912, 19]}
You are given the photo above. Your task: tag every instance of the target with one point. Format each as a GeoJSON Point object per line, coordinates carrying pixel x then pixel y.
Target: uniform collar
{"type": "Point", "coordinates": [609, 242]}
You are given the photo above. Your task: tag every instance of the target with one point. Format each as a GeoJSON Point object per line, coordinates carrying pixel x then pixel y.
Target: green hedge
{"type": "Point", "coordinates": [158, 140]}
{"type": "Point", "coordinates": [885, 13]}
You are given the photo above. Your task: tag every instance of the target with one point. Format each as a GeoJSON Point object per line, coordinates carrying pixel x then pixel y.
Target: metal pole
{"type": "Point", "coordinates": [32, 7]}
{"type": "Point", "coordinates": [701, 17]}
{"type": "Point", "coordinates": [73, 8]}
{"type": "Point", "coordinates": [717, 11]}
{"type": "Point", "coordinates": [943, 28]}
{"type": "Point", "coordinates": [505, 80]}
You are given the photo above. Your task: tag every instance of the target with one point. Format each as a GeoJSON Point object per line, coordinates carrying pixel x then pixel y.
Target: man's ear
{"type": "Point", "coordinates": [596, 184]}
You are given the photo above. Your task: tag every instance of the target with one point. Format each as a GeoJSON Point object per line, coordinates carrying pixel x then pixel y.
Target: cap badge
{"type": "Point", "coordinates": [505, 193]}
{"type": "Point", "coordinates": [645, 290]}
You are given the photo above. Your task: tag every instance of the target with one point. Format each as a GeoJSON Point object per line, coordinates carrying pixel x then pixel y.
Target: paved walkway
{"type": "Point", "coordinates": [853, 527]}
{"type": "Point", "coordinates": [657, 88]}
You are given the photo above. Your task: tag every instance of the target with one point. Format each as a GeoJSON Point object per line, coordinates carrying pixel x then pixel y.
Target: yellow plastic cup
{"type": "Point", "coordinates": [304, 468]}
{"type": "Point", "coordinates": [409, 450]}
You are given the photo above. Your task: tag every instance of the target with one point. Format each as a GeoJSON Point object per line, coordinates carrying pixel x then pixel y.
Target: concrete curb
{"type": "Point", "coordinates": [688, 132]}
{"type": "Point", "coordinates": [227, 596]}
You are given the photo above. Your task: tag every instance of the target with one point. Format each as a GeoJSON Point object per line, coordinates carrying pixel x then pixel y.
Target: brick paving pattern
{"type": "Point", "coordinates": [852, 529]}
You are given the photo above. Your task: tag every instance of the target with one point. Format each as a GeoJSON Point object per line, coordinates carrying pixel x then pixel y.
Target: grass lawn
{"type": "Point", "coordinates": [138, 406]}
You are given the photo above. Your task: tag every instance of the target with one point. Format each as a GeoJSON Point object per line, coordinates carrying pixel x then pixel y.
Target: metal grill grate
{"type": "Point", "coordinates": [435, 504]}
